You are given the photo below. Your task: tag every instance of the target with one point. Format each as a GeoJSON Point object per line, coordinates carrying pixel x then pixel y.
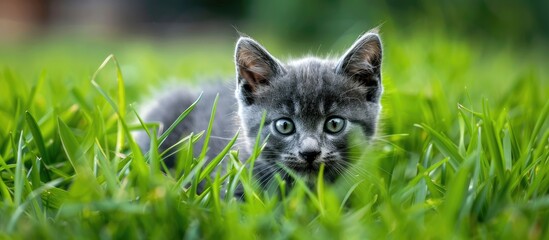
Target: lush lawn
{"type": "Point", "coordinates": [463, 152]}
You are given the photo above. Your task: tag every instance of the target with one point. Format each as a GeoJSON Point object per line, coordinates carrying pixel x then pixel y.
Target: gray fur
{"type": "Point", "coordinates": [308, 91]}
{"type": "Point", "coordinates": [166, 108]}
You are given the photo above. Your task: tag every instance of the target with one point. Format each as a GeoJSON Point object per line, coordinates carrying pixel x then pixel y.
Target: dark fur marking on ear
{"type": "Point", "coordinates": [247, 94]}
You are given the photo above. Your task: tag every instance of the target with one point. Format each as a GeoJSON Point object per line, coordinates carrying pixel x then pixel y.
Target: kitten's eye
{"type": "Point", "coordinates": [334, 125]}
{"type": "Point", "coordinates": [284, 126]}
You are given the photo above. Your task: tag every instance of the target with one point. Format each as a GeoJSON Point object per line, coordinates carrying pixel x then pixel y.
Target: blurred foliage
{"type": "Point", "coordinates": [169, 11]}
{"type": "Point", "coordinates": [507, 20]}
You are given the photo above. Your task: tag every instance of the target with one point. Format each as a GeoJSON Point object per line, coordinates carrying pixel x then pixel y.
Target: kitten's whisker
{"type": "Point", "coordinates": [221, 138]}
{"type": "Point", "coordinates": [391, 135]}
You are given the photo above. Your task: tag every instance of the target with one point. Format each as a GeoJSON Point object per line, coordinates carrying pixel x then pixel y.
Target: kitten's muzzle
{"type": "Point", "coordinates": [310, 149]}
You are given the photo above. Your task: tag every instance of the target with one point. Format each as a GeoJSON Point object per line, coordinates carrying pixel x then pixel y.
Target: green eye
{"type": "Point", "coordinates": [284, 126]}
{"type": "Point", "coordinates": [334, 125]}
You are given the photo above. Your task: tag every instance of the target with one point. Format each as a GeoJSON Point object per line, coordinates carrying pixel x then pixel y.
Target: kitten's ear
{"type": "Point", "coordinates": [362, 63]}
{"type": "Point", "coordinates": [255, 67]}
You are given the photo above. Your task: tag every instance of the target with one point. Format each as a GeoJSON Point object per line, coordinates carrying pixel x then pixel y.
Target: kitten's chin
{"type": "Point", "coordinates": [307, 171]}
{"type": "Point", "coordinates": [310, 178]}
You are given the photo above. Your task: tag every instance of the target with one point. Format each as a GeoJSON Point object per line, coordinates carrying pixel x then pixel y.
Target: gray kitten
{"type": "Point", "coordinates": [313, 106]}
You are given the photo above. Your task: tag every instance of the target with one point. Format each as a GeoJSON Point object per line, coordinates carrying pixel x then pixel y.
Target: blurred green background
{"type": "Point", "coordinates": [520, 22]}
{"type": "Point", "coordinates": [306, 24]}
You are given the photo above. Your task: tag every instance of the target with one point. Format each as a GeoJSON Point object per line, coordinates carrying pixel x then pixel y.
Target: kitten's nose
{"type": "Point", "coordinates": [310, 149]}
{"type": "Point", "coordinates": [309, 155]}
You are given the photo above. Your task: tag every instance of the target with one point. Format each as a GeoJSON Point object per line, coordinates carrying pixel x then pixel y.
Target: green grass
{"type": "Point", "coordinates": [463, 151]}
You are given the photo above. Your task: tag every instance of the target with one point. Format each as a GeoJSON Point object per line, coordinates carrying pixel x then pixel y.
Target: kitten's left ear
{"type": "Point", "coordinates": [362, 63]}
{"type": "Point", "coordinates": [255, 67]}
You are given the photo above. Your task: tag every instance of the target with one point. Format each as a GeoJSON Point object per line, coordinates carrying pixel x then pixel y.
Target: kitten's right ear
{"type": "Point", "coordinates": [255, 67]}
{"type": "Point", "coordinates": [362, 63]}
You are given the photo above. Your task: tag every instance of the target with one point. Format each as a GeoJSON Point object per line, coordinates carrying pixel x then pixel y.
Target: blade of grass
{"type": "Point", "coordinates": [30, 198]}
{"type": "Point", "coordinates": [540, 122]}
{"type": "Point", "coordinates": [182, 116]}
{"type": "Point", "coordinates": [19, 182]}
{"type": "Point", "coordinates": [121, 106]}
{"type": "Point", "coordinates": [106, 169]}
{"type": "Point", "coordinates": [170, 151]}
{"type": "Point", "coordinates": [320, 190]}
{"type": "Point", "coordinates": [445, 145]}
{"type": "Point", "coordinates": [72, 148]}
{"type": "Point", "coordinates": [492, 139]}
{"type": "Point", "coordinates": [7, 198]}
{"type": "Point", "coordinates": [258, 146]}
{"type": "Point", "coordinates": [209, 130]}
{"type": "Point", "coordinates": [154, 157]}
{"type": "Point", "coordinates": [38, 138]}
{"type": "Point", "coordinates": [215, 162]}
{"type": "Point", "coordinates": [138, 159]}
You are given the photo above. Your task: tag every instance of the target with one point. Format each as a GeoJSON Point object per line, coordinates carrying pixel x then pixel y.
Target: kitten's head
{"type": "Point", "coordinates": [312, 105]}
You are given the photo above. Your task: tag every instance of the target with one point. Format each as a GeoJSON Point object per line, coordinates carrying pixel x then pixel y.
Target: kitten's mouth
{"type": "Point", "coordinates": [309, 171]}
{"type": "Point", "coordinates": [305, 168]}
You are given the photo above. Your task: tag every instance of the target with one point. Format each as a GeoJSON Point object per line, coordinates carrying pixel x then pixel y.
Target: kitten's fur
{"type": "Point", "coordinates": [315, 96]}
